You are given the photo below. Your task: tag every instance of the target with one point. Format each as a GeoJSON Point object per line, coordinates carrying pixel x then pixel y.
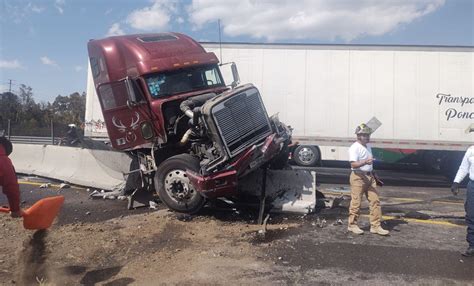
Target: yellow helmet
{"type": "Point", "coordinates": [363, 129]}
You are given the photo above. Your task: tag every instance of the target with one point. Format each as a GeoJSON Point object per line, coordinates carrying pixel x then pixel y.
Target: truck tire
{"type": "Point", "coordinates": [173, 186]}
{"type": "Point", "coordinates": [305, 155]}
{"type": "Point", "coordinates": [431, 161]}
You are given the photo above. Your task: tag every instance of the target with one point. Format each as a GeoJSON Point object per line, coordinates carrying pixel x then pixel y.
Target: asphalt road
{"type": "Point", "coordinates": [425, 220]}
{"type": "Point", "coordinates": [427, 235]}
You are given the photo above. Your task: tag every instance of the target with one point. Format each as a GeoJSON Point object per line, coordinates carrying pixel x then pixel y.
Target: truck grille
{"type": "Point", "coordinates": [242, 121]}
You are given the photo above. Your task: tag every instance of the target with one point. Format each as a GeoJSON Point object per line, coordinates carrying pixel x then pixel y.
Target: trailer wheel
{"type": "Point", "coordinates": [305, 155]}
{"type": "Point", "coordinates": [173, 185]}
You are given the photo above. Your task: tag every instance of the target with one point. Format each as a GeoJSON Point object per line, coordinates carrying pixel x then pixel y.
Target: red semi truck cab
{"type": "Point", "coordinates": [165, 102]}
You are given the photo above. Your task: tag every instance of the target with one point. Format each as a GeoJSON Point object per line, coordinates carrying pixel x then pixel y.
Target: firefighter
{"type": "Point", "coordinates": [467, 167]}
{"type": "Point", "coordinates": [363, 182]}
{"type": "Point", "coordinates": [8, 179]}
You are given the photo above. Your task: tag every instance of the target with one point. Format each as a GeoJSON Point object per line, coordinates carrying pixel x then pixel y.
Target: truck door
{"type": "Point", "coordinates": [127, 120]}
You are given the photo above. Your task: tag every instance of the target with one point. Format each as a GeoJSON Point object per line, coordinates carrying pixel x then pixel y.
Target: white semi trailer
{"type": "Point", "coordinates": [422, 95]}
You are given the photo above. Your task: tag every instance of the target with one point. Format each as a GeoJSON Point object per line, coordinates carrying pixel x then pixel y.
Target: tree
{"type": "Point", "coordinates": [33, 119]}
{"type": "Point", "coordinates": [9, 107]}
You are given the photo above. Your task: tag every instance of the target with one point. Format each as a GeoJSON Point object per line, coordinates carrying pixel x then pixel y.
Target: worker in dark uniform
{"type": "Point", "coordinates": [467, 167]}
{"type": "Point", "coordinates": [8, 179]}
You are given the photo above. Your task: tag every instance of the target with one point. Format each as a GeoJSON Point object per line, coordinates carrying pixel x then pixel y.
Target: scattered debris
{"type": "Point", "coordinates": [94, 194]}
{"type": "Point", "coordinates": [184, 217]}
{"type": "Point", "coordinates": [88, 213]}
{"type": "Point", "coordinates": [338, 222]}
{"type": "Point", "coordinates": [45, 186]}
{"type": "Point", "coordinates": [262, 232]}
{"type": "Point", "coordinates": [112, 195]}
{"type": "Point", "coordinates": [320, 223]}
{"type": "Point", "coordinates": [64, 186]}
{"type": "Point", "coordinates": [153, 205]}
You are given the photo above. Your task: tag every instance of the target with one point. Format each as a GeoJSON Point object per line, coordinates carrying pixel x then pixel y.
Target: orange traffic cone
{"type": "Point", "coordinates": [42, 214]}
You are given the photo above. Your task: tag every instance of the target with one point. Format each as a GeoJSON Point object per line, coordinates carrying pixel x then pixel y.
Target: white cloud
{"type": "Point", "coordinates": [78, 68]}
{"type": "Point", "coordinates": [14, 64]}
{"type": "Point", "coordinates": [34, 8]}
{"type": "Point", "coordinates": [115, 30]}
{"type": "Point", "coordinates": [316, 19]}
{"type": "Point", "coordinates": [49, 62]}
{"type": "Point", "coordinates": [16, 12]}
{"type": "Point", "coordinates": [155, 17]}
{"type": "Point", "coordinates": [180, 20]}
{"type": "Point", "coordinates": [59, 6]}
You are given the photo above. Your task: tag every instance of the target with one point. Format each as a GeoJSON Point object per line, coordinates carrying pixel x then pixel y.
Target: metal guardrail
{"type": "Point", "coordinates": [34, 140]}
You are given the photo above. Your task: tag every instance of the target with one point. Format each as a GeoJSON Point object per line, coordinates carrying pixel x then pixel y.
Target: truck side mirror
{"type": "Point", "coordinates": [235, 75]}
{"type": "Point", "coordinates": [132, 96]}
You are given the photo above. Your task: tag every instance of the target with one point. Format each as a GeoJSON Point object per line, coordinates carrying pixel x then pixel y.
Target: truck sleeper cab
{"type": "Point", "coordinates": [164, 101]}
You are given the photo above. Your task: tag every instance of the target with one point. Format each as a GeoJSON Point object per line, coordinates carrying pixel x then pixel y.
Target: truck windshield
{"type": "Point", "coordinates": [183, 80]}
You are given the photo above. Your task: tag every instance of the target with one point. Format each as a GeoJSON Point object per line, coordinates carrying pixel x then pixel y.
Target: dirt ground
{"type": "Point", "coordinates": [100, 242]}
{"type": "Point", "coordinates": [145, 249]}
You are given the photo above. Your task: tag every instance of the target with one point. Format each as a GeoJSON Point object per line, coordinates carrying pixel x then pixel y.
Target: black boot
{"type": "Point", "coordinates": [469, 252]}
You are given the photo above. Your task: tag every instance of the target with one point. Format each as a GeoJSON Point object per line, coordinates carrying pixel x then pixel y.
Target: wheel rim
{"type": "Point", "coordinates": [306, 155]}
{"type": "Point", "coordinates": [178, 187]}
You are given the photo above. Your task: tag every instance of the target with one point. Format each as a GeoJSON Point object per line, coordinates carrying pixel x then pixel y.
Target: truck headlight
{"type": "Point", "coordinates": [147, 131]}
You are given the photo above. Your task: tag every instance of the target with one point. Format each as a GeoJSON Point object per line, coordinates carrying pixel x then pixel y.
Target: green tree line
{"type": "Point", "coordinates": [30, 118]}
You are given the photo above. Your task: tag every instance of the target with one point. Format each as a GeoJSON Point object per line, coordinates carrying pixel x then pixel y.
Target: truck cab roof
{"type": "Point", "coordinates": [134, 55]}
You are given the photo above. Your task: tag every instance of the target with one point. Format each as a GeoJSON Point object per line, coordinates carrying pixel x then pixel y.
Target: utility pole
{"type": "Point", "coordinates": [220, 40]}
{"type": "Point", "coordinates": [10, 82]}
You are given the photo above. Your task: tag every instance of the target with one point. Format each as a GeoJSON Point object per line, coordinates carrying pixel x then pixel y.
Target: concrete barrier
{"type": "Point", "coordinates": [100, 169]}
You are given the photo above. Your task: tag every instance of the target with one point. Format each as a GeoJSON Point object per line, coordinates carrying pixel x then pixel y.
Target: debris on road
{"type": "Point", "coordinates": [184, 217]}
{"type": "Point", "coordinates": [64, 186]}
{"type": "Point", "coordinates": [45, 186]}
{"type": "Point", "coordinates": [338, 222]}
{"type": "Point", "coordinates": [112, 195]}
{"type": "Point", "coordinates": [320, 223]}
{"type": "Point", "coordinates": [153, 205]}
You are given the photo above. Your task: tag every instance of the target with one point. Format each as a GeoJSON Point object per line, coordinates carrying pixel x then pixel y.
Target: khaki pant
{"type": "Point", "coordinates": [364, 184]}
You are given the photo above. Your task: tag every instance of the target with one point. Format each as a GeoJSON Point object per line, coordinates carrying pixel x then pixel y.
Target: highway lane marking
{"type": "Point", "coordinates": [51, 185]}
{"type": "Point", "coordinates": [36, 184]}
{"type": "Point", "coordinates": [402, 199]}
{"type": "Point", "coordinates": [448, 202]}
{"type": "Point", "coordinates": [423, 221]}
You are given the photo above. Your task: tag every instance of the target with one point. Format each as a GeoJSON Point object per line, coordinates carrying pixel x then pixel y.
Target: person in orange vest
{"type": "Point", "coordinates": [8, 179]}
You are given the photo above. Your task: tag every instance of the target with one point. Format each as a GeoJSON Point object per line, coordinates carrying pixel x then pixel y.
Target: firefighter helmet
{"type": "Point", "coordinates": [363, 129]}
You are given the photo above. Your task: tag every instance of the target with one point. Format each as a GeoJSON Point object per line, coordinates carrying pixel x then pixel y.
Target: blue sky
{"type": "Point", "coordinates": [43, 44]}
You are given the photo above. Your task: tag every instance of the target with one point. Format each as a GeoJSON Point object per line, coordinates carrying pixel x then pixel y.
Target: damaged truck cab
{"type": "Point", "coordinates": [165, 102]}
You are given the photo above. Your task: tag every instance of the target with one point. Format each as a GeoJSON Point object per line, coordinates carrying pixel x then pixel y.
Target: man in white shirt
{"type": "Point", "coordinates": [467, 167]}
{"type": "Point", "coordinates": [362, 182]}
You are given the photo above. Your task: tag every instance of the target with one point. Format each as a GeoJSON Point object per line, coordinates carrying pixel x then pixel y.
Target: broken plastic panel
{"type": "Point", "coordinates": [374, 124]}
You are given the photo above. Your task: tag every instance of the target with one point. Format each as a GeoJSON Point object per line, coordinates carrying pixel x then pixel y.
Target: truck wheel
{"type": "Point", "coordinates": [431, 161]}
{"type": "Point", "coordinates": [305, 155]}
{"type": "Point", "coordinates": [173, 185]}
